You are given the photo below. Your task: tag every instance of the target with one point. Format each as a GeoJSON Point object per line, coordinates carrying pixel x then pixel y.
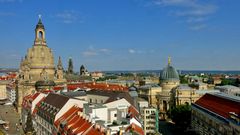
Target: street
{"type": "Point", "coordinates": [8, 113]}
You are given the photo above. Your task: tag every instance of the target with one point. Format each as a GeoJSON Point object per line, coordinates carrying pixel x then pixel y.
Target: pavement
{"type": "Point", "coordinates": [8, 113]}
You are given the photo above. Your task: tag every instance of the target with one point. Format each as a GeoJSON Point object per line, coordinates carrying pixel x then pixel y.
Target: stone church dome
{"type": "Point", "coordinates": [38, 58]}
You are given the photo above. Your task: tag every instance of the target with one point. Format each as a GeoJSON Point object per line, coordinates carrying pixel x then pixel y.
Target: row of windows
{"type": "Point", "coordinates": [150, 128]}
{"type": "Point", "coordinates": [150, 117]}
{"type": "Point", "coordinates": [152, 112]}
{"type": "Point", "coordinates": [96, 101]}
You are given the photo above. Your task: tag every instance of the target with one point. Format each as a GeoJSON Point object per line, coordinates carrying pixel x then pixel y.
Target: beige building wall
{"type": "Point", "coordinates": [150, 93]}
{"type": "Point", "coordinates": [149, 120]}
{"type": "Point", "coordinates": [3, 89]}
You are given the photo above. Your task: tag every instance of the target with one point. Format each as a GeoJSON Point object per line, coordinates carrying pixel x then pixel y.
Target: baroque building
{"type": "Point", "coordinates": [38, 67]}
{"type": "Point", "coordinates": [169, 79]}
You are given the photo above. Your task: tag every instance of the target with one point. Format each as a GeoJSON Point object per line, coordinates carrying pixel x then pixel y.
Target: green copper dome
{"type": "Point", "coordinates": [169, 73]}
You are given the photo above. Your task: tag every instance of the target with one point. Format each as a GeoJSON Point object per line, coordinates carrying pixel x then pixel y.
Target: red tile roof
{"type": "Point", "coordinates": [57, 88]}
{"type": "Point", "coordinates": [95, 131]}
{"type": "Point", "coordinates": [27, 100]}
{"type": "Point", "coordinates": [135, 128]}
{"type": "Point", "coordinates": [73, 110]}
{"type": "Point", "coordinates": [74, 123]}
{"type": "Point", "coordinates": [85, 126]}
{"type": "Point", "coordinates": [97, 86]}
{"type": "Point", "coordinates": [219, 105]}
{"type": "Point", "coordinates": [37, 105]}
{"type": "Point", "coordinates": [9, 76]}
{"type": "Point", "coordinates": [133, 112]}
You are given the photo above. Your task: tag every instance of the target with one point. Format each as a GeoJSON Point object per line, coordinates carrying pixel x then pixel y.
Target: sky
{"type": "Point", "coordinates": [126, 34]}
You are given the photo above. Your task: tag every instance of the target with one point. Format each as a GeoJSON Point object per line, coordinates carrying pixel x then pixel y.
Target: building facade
{"type": "Point", "coordinates": [3, 89]}
{"type": "Point", "coordinates": [150, 120]}
{"type": "Point", "coordinates": [37, 65]}
{"type": "Point", "coordinates": [216, 114]}
{"type": "Point", "coordinates": [169, 79]}
{"type": "Point", "coordinates": [150, 93]}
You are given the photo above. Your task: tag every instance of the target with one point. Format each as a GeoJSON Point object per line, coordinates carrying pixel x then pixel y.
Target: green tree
{"type": "Point", "coordinates": [29, 125]}
{"type": "Point", "coordinates": [228, 82]}
{"type": "Point", "coordinates": [181, 116]}
{"type": "Point", "coordinates": [183, 79]}
{"type": "Point", "coordinates": [70, 66]}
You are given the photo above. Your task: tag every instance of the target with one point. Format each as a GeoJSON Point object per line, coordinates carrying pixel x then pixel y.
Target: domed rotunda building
{"type": "Point", "coordinates": [169, 77]}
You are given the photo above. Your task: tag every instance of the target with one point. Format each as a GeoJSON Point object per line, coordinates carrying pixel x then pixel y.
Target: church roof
{"type": "Point", "coordinates": [169, 73]}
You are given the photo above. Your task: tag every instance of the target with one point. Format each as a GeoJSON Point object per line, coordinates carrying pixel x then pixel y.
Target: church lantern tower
{"type": "Point", "coordinates": [40, 33]}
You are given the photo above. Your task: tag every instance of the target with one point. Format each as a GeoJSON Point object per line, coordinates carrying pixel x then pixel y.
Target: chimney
{"type": "Point", "coordinates": [108, 131]}
{"type": "Point", "coordinates": [121, 131]}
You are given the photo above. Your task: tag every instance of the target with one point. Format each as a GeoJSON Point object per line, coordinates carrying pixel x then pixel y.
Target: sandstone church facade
{"type": "Point", "coordinates": [38, 68]}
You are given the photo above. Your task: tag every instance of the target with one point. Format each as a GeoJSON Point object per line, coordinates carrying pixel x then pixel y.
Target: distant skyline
{"type": "Point", "coordinates": [108, 35]}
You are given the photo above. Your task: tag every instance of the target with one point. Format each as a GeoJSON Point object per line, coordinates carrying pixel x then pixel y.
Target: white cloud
{"type": "Point", "coordinates": [91, 51]}
{"type": "Point", "coordinates": [135, 51]}
{"type": "Point", "coordinates": [69, 16]}
{"type": "Point", "coordinates": [198, 27]}
{"type": "Point", "coordinates": [185, 3]}
{"type": "Point", "coordinates": [132, 51]}
{"type": "Point", "coordinates": [200, 10]}
{"type": "Point", "coordinates": [192, 11]}
{"type": "Point", "coordinates": [104, 50]}
{"type": "Point", "coordinates": [196, 19]}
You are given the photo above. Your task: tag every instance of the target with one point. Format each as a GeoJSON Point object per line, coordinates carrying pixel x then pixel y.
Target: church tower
{"type": "Point", "coordinates": [38, 66]}
{"type": "Point", "coordinates": [40, 33]}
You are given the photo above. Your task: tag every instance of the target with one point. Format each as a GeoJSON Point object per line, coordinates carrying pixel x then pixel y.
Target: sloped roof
{"type": "Point", "coordinates": [56, 100]}
{"type": "Point", "coordinates": [219, 104]}
{"type": "Point", "coordinates": [133, 112]}
{"type": "Point", "coordinates": [97, 86]}
{"type": "Point", "coordinates": [113, 95]}
{"type": "Point", "coordinates": [135, 128]}
{"type": "Point", "coordinates": [75, 123]}
{"type": "Point", "coordinates": [73, 110]}
{"type": "Point", "coordinates": [95, 131]}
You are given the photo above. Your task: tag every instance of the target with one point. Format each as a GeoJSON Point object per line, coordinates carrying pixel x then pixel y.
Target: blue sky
{"type": "Point", "coordinates": [126, 34]}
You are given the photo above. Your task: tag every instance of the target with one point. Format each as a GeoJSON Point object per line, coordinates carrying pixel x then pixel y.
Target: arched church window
{"type": "Point", "coordinates": [40, 35]}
